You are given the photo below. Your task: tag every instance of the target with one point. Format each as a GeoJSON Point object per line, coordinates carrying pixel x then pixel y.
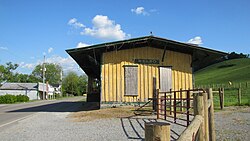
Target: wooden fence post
{"type": "Point", "coordinates": [199, 110]}
{"type": "Point", "coordinates": [221, 95]}
{"type": "Point", "coordinates": [212, 135]}
{"type": "Point", "coordinates": [205, 104]}
{"type": "Point", "coordinates": [239, 95]}
{"type": "Point", "coordinates": [157, 131]}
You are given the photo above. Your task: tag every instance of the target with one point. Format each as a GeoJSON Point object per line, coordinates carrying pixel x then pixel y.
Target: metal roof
{"type": "Point", "coordinates": [89, 58]}
{"type": "Point", "coordinates": [19, 86]}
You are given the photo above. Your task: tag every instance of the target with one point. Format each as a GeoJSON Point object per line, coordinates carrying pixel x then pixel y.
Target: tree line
{"type": "Point", "coordinates": [71, 82]}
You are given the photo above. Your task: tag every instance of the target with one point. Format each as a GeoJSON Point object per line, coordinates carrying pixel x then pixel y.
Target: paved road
{"type": "Point", "coordinates": [11, 113]}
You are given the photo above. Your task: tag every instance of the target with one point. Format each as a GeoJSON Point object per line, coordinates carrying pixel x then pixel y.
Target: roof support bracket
{"type": "Point", "coordinates": [163, 55]}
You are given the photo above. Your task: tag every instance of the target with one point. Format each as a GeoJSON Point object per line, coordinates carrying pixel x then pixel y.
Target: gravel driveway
{"type": "Point", "coordinates": [231, 124]}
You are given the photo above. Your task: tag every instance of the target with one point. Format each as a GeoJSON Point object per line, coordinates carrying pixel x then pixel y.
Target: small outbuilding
{"type": "Point", "coordinates": [28, 89]}
{"type": "Point", "coordinates": [131, 70]}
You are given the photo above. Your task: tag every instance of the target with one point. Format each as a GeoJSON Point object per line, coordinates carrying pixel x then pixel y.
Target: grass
{"type": "Point", "coordinates": [236, 72]}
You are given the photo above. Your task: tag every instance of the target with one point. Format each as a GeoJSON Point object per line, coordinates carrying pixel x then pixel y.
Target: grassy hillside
{"type": "Point", "coordinates": [236, 71]}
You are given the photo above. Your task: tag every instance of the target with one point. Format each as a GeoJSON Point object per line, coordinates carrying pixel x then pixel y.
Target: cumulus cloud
{"type": "Point", "coordinates": [27, 65]}
{"type": "Point", "coordinates": [3, 48]}
{"type": "Point", "coordinates": [81, 44]}
{"type": "Point", "coordinates": [104, 28]}
{"type": "Point", "coordinates": [67, 63]}
{"type": "Point", "coordinates": [74, 23]}
{"type": "Point", "coordinates": [50, 50]}
{"type": "Point", "coordinates": [140, 11]}
{"type": "Point", "coordinates": [196, 40]}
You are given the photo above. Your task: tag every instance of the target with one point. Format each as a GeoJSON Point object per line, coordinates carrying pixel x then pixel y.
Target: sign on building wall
{"type": "Point", "coordinates": [146, 61]}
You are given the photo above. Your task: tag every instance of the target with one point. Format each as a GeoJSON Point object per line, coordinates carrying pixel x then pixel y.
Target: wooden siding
{"type": "Point", "coordinates": [112, 77]}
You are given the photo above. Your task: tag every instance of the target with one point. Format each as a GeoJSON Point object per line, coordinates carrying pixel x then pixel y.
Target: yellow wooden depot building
{"type": "Point", "coordinates": [130, 70]}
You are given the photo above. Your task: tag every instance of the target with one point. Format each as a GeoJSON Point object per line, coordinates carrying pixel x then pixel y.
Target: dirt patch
{"type": "Point", "coordinates": [118, 112]}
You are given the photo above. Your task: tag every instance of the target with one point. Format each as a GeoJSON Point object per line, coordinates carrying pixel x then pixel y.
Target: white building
{"type": "Point", "coordinates": [32, 90]}
{"type": "Point", "coordinates": [29, 89]}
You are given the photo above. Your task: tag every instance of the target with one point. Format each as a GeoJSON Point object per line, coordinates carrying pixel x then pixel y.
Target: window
{"type": "Point", "coordinates": [131, 80]}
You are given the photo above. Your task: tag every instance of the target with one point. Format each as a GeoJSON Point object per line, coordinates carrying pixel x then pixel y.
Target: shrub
{"type": "Point", "coordinates": [22, 98]}
{"type": "Point", "coordinates": [7, 99]}
{"type": "Point", "coordinates": [57, 96]}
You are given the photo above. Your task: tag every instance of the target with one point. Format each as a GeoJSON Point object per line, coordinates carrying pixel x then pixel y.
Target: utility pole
{"type": "Point", "coordinates": [61, 82]}
{"type": "Point", "coordinates": [43, 76]}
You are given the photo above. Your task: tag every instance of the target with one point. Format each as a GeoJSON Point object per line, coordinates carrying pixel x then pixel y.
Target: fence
{"type": "Point", "coordinates": [202, 125]}
{"type": "Point", "coordinates": [234, 94]}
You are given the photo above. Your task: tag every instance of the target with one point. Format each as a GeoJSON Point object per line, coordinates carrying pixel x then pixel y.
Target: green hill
{"type": "Point", "coordinates": [236, 71]}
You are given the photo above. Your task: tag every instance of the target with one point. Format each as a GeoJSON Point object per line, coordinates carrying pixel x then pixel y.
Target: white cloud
{"type": "Point", "coordinates": [3, 48]}
{"type": "Point", "coordinates": [81, 44]}
{"type": "Point", "coordinates": [27, 66]}
{"type": "Point", "coordinates": [67, 63]}
{"type": "Point", "coordinates": [50, 50]}
{"type": "Point", "coordinates": [140, 11]}
{"type": "Point", "coordinates": [104, 28]}
{"type": "Point", "coordinates": [74, 23]}
{"type": "Point", "coordinates": [196, 40]}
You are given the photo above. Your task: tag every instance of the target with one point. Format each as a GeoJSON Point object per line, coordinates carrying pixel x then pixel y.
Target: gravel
{"type": "Point", "coordinates": [57, 126]}
{"type": "Point", "coordinates": [233, 124]}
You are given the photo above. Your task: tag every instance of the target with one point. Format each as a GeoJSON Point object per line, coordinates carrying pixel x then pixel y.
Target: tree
{"type": "Point", "coordinates": [74, 84]}
{"type": "Point", "coordinates": [6, 72]}
{"type": "Point", "coordinates": [70, 83]}
{"type": "Point", "coordinates": [52, 73]}
{"type": "Point", "coordinates": [25, 78]}
{"type": "Point", "coordinates": [82, 84]}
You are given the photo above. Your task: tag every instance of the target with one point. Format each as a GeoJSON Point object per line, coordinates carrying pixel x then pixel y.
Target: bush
{"type": "Point", "coordinates": [7, 99]}
{"type": "Point", "coordinates": [57, 96]}
{"type": "Point", "coordinates": [22, 98]}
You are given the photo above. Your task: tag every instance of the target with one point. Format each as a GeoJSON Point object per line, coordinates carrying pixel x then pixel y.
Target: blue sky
{"type": "Point", "coordinates": [29, 28]}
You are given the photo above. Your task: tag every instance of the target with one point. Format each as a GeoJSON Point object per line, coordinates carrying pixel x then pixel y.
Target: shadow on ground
{"type": "Point", "coordinates": [134, 127]}
{"type": "Point", "coordinates": [62, 107]}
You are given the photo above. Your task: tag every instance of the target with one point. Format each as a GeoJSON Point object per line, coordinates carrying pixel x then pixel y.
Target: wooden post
{"type": "Point", "coordinates": [199, 110]}
{"type": "Point", "coordinates": [158, 103]}
{"type": "Point", "coordinates": [170, 107]}
{"type": "Point", "coordinates": [239, 95]}
{"type": "Point", "coordinates": [205, 97]}
{"type": "Point", "coordinates": [90, 84]}
{"type": "Point", "coordinates": [212, 135]}
{"type": "Point", "coordinates": [165, 106]}
{"type": "Point", "coordinates": [175, 107]}
{"type": "Point", "coordinates": [157, 131]}
{"type": "Point", "coordinates": [154, 95]}
{"type": "Point", "coordinates": [188, 106]}
{"type": "Point", "coordinates": [221, 95]}
{"type": "Point", "coordinates": [181, 99]}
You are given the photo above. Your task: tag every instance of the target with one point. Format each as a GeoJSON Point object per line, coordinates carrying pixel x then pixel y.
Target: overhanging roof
{"type": "Point", "coordinates": [89, 58]}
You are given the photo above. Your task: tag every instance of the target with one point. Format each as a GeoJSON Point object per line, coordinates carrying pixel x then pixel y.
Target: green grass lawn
{"type": "Point", "coordinates": [236, 72]}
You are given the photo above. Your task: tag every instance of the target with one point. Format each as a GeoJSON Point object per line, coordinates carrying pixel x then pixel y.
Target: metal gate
{"type": "Point", "coordinates": [176, 105]}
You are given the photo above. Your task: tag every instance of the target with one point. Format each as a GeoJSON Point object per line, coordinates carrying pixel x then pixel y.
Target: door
{"type": "Point", "coordinates": [165, 79]}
